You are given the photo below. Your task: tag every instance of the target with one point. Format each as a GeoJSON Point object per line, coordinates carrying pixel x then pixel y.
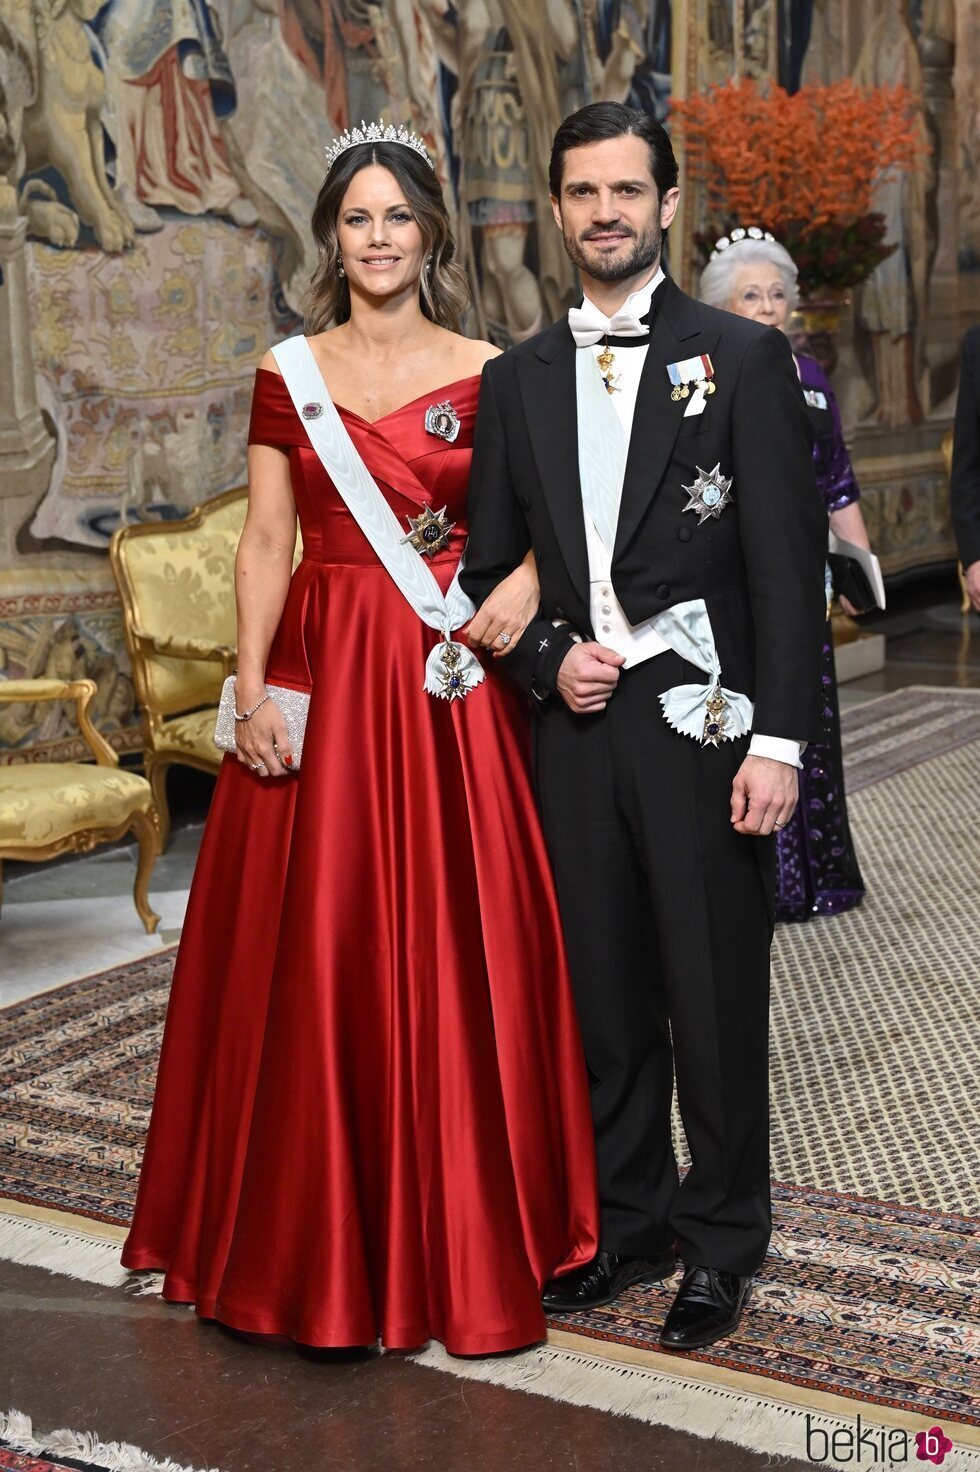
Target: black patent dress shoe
{"type": "Point", "coordinates": [602, 1280]}
{"type": "Point", "coordinates": [708, 1306]}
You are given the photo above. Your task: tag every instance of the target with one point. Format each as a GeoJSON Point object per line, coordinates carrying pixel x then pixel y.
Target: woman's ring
{"type": "Point", "coordinates": [505, 639]}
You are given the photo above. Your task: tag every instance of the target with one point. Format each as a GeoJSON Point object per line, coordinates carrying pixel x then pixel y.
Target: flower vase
{"type": "Point", "coordinates": [815, 325]}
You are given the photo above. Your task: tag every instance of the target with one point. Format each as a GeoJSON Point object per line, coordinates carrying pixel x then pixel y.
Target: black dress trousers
{"type": "Point", "coordinates": [668, 916]}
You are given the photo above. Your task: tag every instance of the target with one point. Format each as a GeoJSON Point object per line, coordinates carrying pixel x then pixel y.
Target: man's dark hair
{"type": "Point", "coordinates": [602, 120]}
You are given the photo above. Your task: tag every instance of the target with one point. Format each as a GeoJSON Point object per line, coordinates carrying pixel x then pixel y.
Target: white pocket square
{"type": "Point", "coordinates": [696, 403]}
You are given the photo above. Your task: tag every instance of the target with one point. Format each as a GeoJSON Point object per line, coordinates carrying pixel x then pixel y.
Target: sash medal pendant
{"type": "Point", "coordinates": [454, 686]}
{"type": "Point", "coordinates": [715, 717]}
{"type": "Point", "coordinates": [699, 371]}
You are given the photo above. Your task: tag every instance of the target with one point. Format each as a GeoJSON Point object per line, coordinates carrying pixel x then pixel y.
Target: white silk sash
{"type": "Point", "coordinates": [447, 677]}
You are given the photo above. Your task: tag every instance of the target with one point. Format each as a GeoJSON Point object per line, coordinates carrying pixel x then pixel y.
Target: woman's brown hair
{"type": "Point", "coordinates": [443, 293]}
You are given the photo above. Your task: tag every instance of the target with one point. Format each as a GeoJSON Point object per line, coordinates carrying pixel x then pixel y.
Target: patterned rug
{"type": "Point", "coordinates": [857, 1299]}
{"type": "Point", "coordinates": [900, 730]}
{"type": "Point", "coordinates": [875, 1036]}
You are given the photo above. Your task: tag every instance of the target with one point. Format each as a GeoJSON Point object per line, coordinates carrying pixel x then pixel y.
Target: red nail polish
{"type": "Point", "coordinates": [287, 760]}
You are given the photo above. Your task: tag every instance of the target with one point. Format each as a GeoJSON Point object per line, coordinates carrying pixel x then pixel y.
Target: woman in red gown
{"type": "Point", "coordinates": [371, 1117]}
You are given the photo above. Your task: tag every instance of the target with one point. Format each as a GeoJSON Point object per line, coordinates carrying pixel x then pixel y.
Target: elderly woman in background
{"type": "Point", "coordinates": [817, 870]}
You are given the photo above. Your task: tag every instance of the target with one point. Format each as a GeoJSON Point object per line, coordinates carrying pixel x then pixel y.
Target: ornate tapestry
{"type": "Point", "coordinates": [158, 166]}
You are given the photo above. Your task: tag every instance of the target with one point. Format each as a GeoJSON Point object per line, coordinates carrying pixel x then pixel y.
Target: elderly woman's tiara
{"type": "Point", "coordinates": [725, 242]}
{"type": "Point", "coordinates": [376, 133]}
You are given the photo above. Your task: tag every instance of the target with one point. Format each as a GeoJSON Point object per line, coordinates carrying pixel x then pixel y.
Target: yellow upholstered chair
{"type": "Point", "coordinates": [946, 450]}
{"type": "Point", "coordinates": [51, 808]}
{"type": "Point", "coordinates": [177, 585]}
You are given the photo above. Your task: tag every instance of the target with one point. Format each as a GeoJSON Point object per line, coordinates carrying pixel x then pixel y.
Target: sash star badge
{"type": "Point", "coordinates": [429, 532]}
{"type": "Point", "coordinates": [710, 493]}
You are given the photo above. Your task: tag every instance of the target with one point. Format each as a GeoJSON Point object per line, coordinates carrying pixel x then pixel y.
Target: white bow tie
{"type": "Point", "coordinates": [588, 324]}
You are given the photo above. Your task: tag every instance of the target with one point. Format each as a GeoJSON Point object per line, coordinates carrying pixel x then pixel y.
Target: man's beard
{"type": "Point", "coordinates": [644, 253]}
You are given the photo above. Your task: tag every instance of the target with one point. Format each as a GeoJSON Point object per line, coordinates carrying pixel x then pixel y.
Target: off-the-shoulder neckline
{"type": "Point", "coordinates": [433, 394]}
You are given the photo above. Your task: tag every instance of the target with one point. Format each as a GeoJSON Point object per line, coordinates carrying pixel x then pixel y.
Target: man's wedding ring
{"type": "Point", "coordinates": [505, 639]}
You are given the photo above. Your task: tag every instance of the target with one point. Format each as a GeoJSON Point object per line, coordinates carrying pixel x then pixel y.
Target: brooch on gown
{"type": "Point", "coordinates": [710, 493]}
{"type": "Point", "coordinates": [442, 419]}
{"type": "Point", "coordinates": [429, 532]}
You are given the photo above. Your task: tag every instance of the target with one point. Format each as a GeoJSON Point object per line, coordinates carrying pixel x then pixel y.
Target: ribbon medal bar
{"type": "Point", "coordinates": [699, 370]}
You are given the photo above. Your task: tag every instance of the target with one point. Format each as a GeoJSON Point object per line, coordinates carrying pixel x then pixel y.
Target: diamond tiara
{"type": "Point", "coordinates": [375, 133]}
{"type": "Point", "coordinates": [724, 242]}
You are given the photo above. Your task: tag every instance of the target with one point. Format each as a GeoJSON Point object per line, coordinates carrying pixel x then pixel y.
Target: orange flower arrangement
{"type": "Point", "coordinates": [803, 165]}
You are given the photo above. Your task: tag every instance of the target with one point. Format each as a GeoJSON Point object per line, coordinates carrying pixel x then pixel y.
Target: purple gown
{"type": "Point", "coordinates": [816, 867]}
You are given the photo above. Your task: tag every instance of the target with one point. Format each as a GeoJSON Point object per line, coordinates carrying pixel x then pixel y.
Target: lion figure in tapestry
{"type": "Point", "coordinates": [61, 125]}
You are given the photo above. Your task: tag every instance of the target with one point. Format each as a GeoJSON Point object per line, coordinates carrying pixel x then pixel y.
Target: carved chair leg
{"type": "Point", "coordinates": [156, 772]}
{"type": "Point", "coordinates": [146, 836]}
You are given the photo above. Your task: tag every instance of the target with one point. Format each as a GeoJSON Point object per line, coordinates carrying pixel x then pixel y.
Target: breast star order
{"type": "Point", "coordinates": [429, 532]}
{"type": "Point", "coordinates": [710, 493]}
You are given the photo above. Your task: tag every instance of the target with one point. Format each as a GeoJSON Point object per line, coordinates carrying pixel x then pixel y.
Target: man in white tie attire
{"type": "Point", "coordinates": [656, 455]}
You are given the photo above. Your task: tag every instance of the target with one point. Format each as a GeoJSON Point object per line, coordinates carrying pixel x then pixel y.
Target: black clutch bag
{"type": "Point", "coordinates": [851, 582]}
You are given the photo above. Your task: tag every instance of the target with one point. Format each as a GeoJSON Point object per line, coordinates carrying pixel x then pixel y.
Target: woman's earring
{"type": "Point", "coordinates": [340, 268]}
{"type": "Point", "coordinates": [430, 265]}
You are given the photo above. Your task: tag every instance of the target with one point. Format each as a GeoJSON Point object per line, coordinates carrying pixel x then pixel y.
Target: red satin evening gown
{"type": "Point", "coordinates": [372, 1116]}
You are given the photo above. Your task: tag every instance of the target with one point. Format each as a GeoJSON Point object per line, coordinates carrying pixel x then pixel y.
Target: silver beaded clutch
{"type": "Point", "coordinates": [294, 704]}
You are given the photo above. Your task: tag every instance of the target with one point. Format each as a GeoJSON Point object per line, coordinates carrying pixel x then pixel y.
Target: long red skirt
{"type": "Point", "coordinates": [372, 1115]}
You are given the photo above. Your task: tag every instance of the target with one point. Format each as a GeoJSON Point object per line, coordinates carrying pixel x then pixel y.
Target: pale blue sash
{"type": "Point", "coordinates": [602, 448]}
{"type": "Point", "coordinates": [685, 628]}
{"type": "Point", "coordinates": [362, 496]}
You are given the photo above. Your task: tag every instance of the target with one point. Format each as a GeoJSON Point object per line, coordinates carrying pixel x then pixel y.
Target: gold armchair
{"type": "Point", "coordinates": [176, 582]}
{"type": "Point", "coordinates": [51, 808]}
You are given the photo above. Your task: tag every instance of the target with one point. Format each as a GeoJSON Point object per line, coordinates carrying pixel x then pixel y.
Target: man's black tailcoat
{"type": "Point", "coordinates": [667, 911]}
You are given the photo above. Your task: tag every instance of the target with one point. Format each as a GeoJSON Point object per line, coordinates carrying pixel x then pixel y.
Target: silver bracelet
{"type": "Point", "coordinates": [248, 714]}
